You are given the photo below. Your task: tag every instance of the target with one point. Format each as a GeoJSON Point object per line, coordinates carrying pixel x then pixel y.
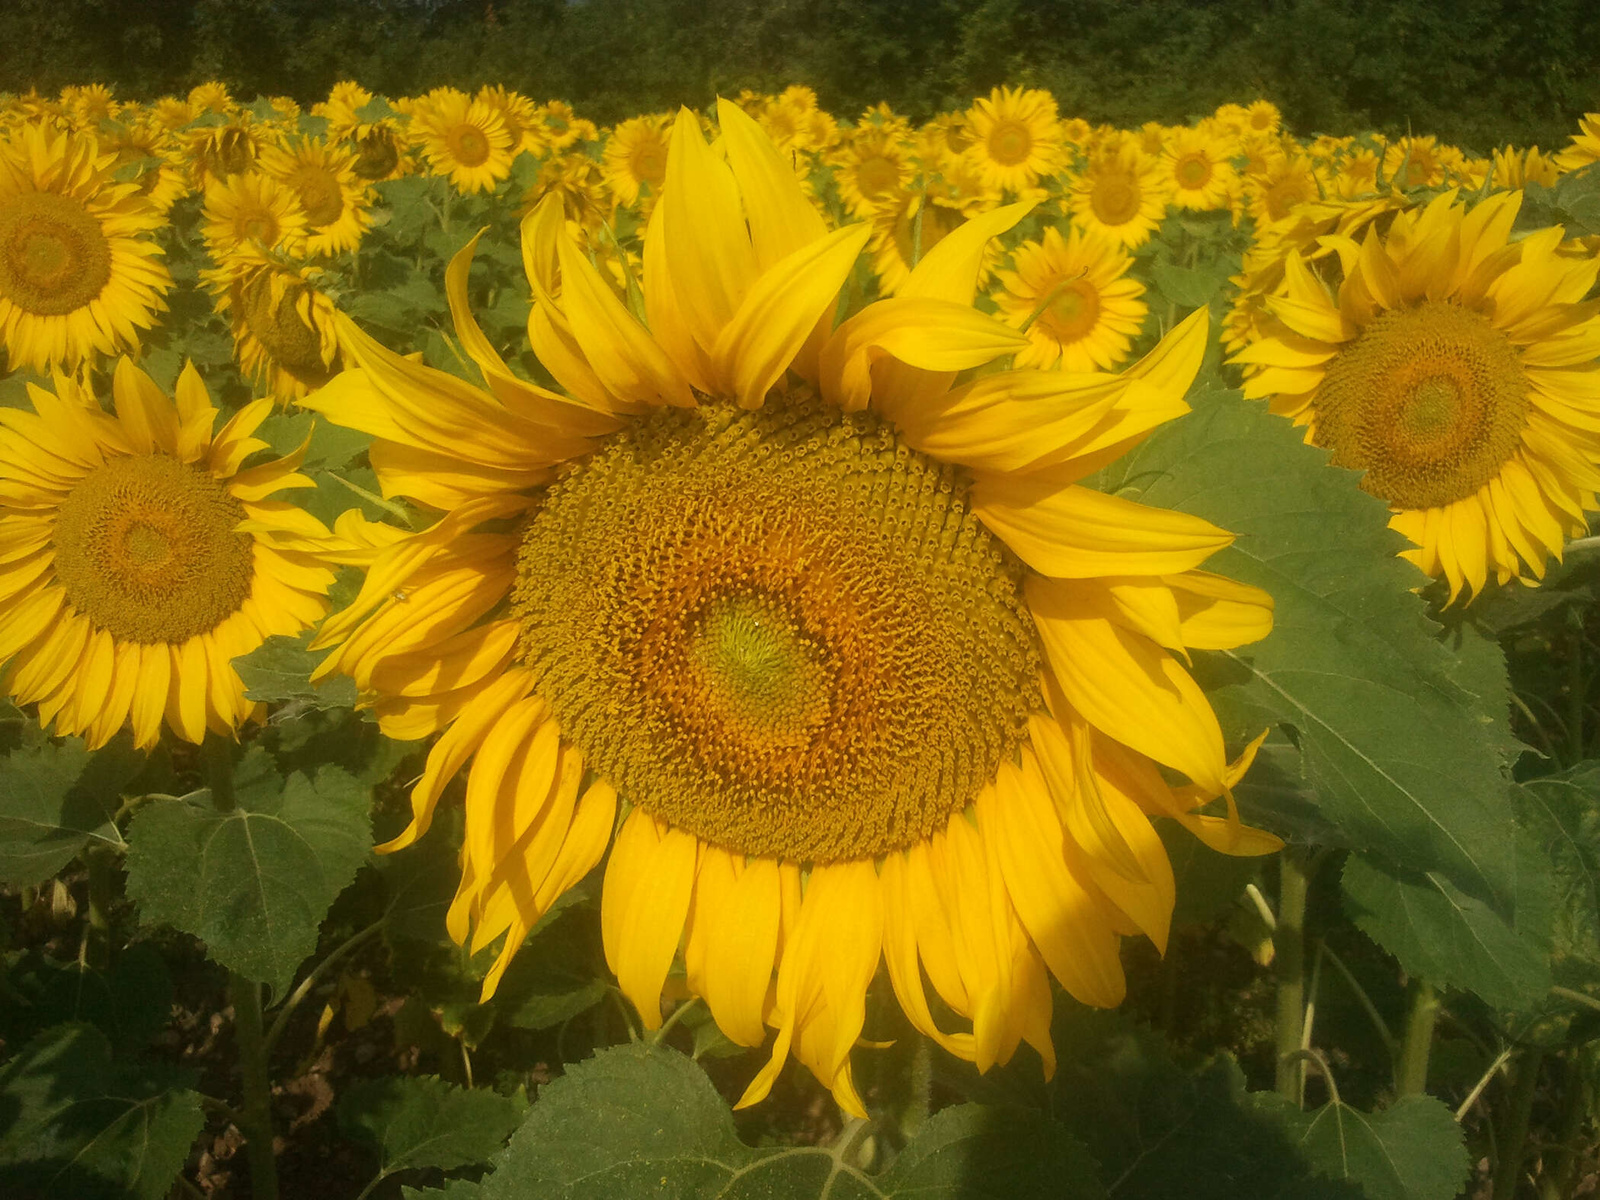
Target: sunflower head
{"type": "Point", "coordinates": [1436, 358]}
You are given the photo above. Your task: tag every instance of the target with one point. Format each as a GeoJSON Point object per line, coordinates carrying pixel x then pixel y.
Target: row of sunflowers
{"type": "Point", "coordinates": [733, 496]}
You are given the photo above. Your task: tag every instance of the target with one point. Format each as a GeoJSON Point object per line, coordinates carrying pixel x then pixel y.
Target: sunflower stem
{"type": "Point", "coordinates": [1411, 1069]}
{"type": "Point", "coordinates": [1289, 959]}
{"type": "Point", "coordinates": [1577, 686]}
{"type": "Point", "coordinates": [97, 937]}
{"type": "Point", "coordinates": [217, 755]}
{"type": "Point", "coordinates": [1559, 1180]}
{"type": "Point", "coordinates": [256, 1087]}
{"type": "Point", "coordinates": [919, 1099]}
{"type": "Point", "coordinates": [1514, 1135]}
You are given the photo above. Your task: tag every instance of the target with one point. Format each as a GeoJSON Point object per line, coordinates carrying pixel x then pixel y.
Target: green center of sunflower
{"type": "Point", "coordinates": [54, 258]}
{"type": "Point", "coordinates": [1430, 401]}
{"type": "Point", "coordinates": [277, 324]}
{"type": "Point", "coordinates": [779, 630]}
{"type": "Point", "coordinates": [1115, 199]}
{"type": "Point", "coordinates": [469, 146]}
{"type": "Point", "coordinates": [146, 550]}
{"type": "Point", "coordinates": [1010, 143]}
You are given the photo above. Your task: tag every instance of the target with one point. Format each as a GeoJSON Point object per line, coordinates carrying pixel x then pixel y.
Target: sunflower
{"type": "Point", "coordinates": [1015, 137]}
{"type": "Point", "coordinates": [635, 160]}
{"type": "Point", "coordinates": [1282, 182]}
{"type": "Point", "coordinates": [873, 162]}
{"type": "Point", "coordinates": [1455, 365]}
{"type": "Point", "coordinates": [79, 275]}
{"type": "Point", "coordinates": [337, 204]}
{"type": "Point", "coordinates": [1121, 195]}
{"type": "Point", "coordinates": [141, 144]}
{"type": "Point", "coordinates": [465, 140]}
{"type": "Point", "coordinates": [869, 675]}
{"type": "Point", "coordinates": [215, 152]}
{"type": "Point", "coordinates": [1511, 169]}
{"type": "Point", "coordinates": [249, 216]}
{"type": "Point", "coordinates": [907, 224]}
{"type": "Point", "coordinates": [1198, 169]}
{"type": "Point", "coordinates": [284, 335]}
{"type": "Point", "coordinates": [139, 559]}
{"type": "Point", "coordinates": [520, 115]}
{"type": "Point", "coordinates": [1073, 297]}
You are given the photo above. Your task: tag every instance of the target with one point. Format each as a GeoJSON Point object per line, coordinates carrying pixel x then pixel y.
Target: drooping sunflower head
{"type": "Point", "coordinates": [141, 559]}
{"type": "Point", "coordinates": [215, 152]}
{"type": "Point", "coordinates": [79, 268]}
{"type": "Point", "coordinates": [1452, 363]}
{"type": "Point", "coordinates": [283, 328]}
{"type": "Point", "coordinates": [838, 625]}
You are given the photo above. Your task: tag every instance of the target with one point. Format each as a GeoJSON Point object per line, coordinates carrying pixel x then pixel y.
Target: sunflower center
{"type": "Point", "coordinates": [469, 145]}
{"type": "Point", "coordinates": [1115, 199]}
{"type": "Point", "coordinates": [146, 550]}
{"type": "Point", "coordinates": [1074, 311]}
{"type": "Point", "coordinates": [279, 327]}
{"type": "Point", "coordinates": [53, 256]}
{"type": "Point", "coordinates": [1285, 196]}
{"type": "Point", "coordinates": [1193, 172]}
{"type": "Point", "coordinates": [1430, 401]}
{"type": "Point", "coordinates": [778, 630]}
{"type": "Point", "coordinates": [876, 175]}
{"type": "Point", "coordinates": [377, 155]}
{"type": "Point", "coordinates": [649, 163]}
{"type": "Point", "coordinates": [320, 196]}
{"type": "Point", "coordinates": [1010, 143]}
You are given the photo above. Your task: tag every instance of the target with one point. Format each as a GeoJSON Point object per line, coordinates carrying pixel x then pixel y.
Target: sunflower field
{"type": "Point", "coordinates": [763, 653]}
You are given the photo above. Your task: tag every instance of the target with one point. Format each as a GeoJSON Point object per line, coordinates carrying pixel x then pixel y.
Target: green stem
{"type": "Point", "coordinates": [334, 957]}
{"type": "Point", "coordinates": [1577, 686]}
{"type": "Point", "coordinates": [1411, 1071]}
{"type": "Point", "coordinates": [1289, 962]}
{"type": "Point", "coordinates": [1514, 1135]}
{"type": "Point", "coordinates": [919, 1101]}
{"type": "Point", "coordinates": [673, 1018]}
{"type": "Point", "coordinates": [1558, 1182]}
{"type": "Point", "coordinates": [217, 754]}
{"type": "Point", "coordinates": [256, 1086]}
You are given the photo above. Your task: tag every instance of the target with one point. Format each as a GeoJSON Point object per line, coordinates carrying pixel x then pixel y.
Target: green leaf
{"type": "Point", "coordinates": [640, 1121]}
{"type": "Point", "coordinates": [558, 975]}
{"type": "Point", "coordinates": [129, 1003]}
{"type": "Point", "coordinates": [1562, 812]}
{"type": "Point", "coordinates": [417, 1122]}
{"type": "Point", "coordinates": [1402, 757]}
{"type": "Point", "coordinates": [55, 799]}
{"type": "Point", "coordinates": [1442, 934]}
{"type": "Point", "coordinates": [279, 670]}
{"type": "Point", "coordinates": [1191, 287]}
{"type": "Point", "coordinates": [1209, 883]}
{"type": "Point", "coordinates": [253, 883]}
{"type": "Point", "coordinates": [79, 1125]}
{"type": "Point", "coordinates": [1413, 1150]}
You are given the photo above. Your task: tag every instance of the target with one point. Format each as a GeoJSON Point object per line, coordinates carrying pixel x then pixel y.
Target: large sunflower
{"type": "Point", "coordinates": [137, 559]}
{"type": "Point", "coordinates": [1455, 365]}
{"type": "Point", "coordinates": [79, 275]}
{"type": "Point", "coordinates": [870, 675]}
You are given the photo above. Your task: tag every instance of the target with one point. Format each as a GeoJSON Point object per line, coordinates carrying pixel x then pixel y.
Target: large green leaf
{"type": "Point", "coordinates": [1442, 934]}
{"type": "Point", "coordinates": [1412, 1150]}
{"type": "Point", "coordinates": [75, 1124]}
{"type": "Point", "coordinates": [129, 1002]}
{"type": "Point", "coordinates": [55, 799]}
{"type": "Point", "coordinates": [279, 670]}
{"type": "Point", "coordinates": [416, 1122]}
{"type": "Point", "coordinates": [1562, 812]}
{"type": "Point", "coordinates": [639, 1121]}
{"type": "Point", "coordinates": [253, 883]}
{"type": "Point", "coordinates": [1403, 756]}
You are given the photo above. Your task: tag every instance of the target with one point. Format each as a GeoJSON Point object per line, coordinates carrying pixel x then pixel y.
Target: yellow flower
{"type": "Point", "coordinates": [465, 140]}
{"type": "Point", "coordinates": [1455, 365]}
{"type": "Point", "coordinates": [635, 160]}
{"type": "Point", "coordinates": [284, 336]}
{"type": "Point", "coordinates": [871, 163]}
{"type": "Point", "coordinates": [750, 577]}
{"type": "Point", "coordinates": [249, 216]}
{"type": "Point", "coordinates": [1075, 300]}
{"type": "Point", "coordinates": [1198, 169]}
{"type": "Point", "coordinates": [79, 275]}
{"type": "Point", "coordinates": [1279, 186]}
{"type": "Point", "coordinates": [1015, 137]}
{"type": "Point", "coordinates": [217, 151]}
{"type": "Point", "coordinates": [336, 203]}
{"type": "Point", "coordinates": [1121, 195]}
{"type": "Point", "coordinates": [139, 559]}
{"type": "Point", "coordinates": [1512, 168]}
{"type": "Point", "coordinates": [520, 115]}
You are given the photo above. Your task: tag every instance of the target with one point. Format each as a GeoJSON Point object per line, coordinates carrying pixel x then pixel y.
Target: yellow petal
{"type": "Point", "coordinates": [147, 415]}
{"type": "Point", "coordinates": [950, 270]}
{"type": "Point", "coordinates": [782, 220]}
{"type": "Point", "coordinates": [1074, 532]}
{"type": "Point", "coordinates": [779, 312]}
{"type": "Point", "coordinates": [743, 945]}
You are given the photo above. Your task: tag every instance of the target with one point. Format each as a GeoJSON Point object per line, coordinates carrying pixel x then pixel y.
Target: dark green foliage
{"type": "Point", "coordinates": [1477, 72]}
